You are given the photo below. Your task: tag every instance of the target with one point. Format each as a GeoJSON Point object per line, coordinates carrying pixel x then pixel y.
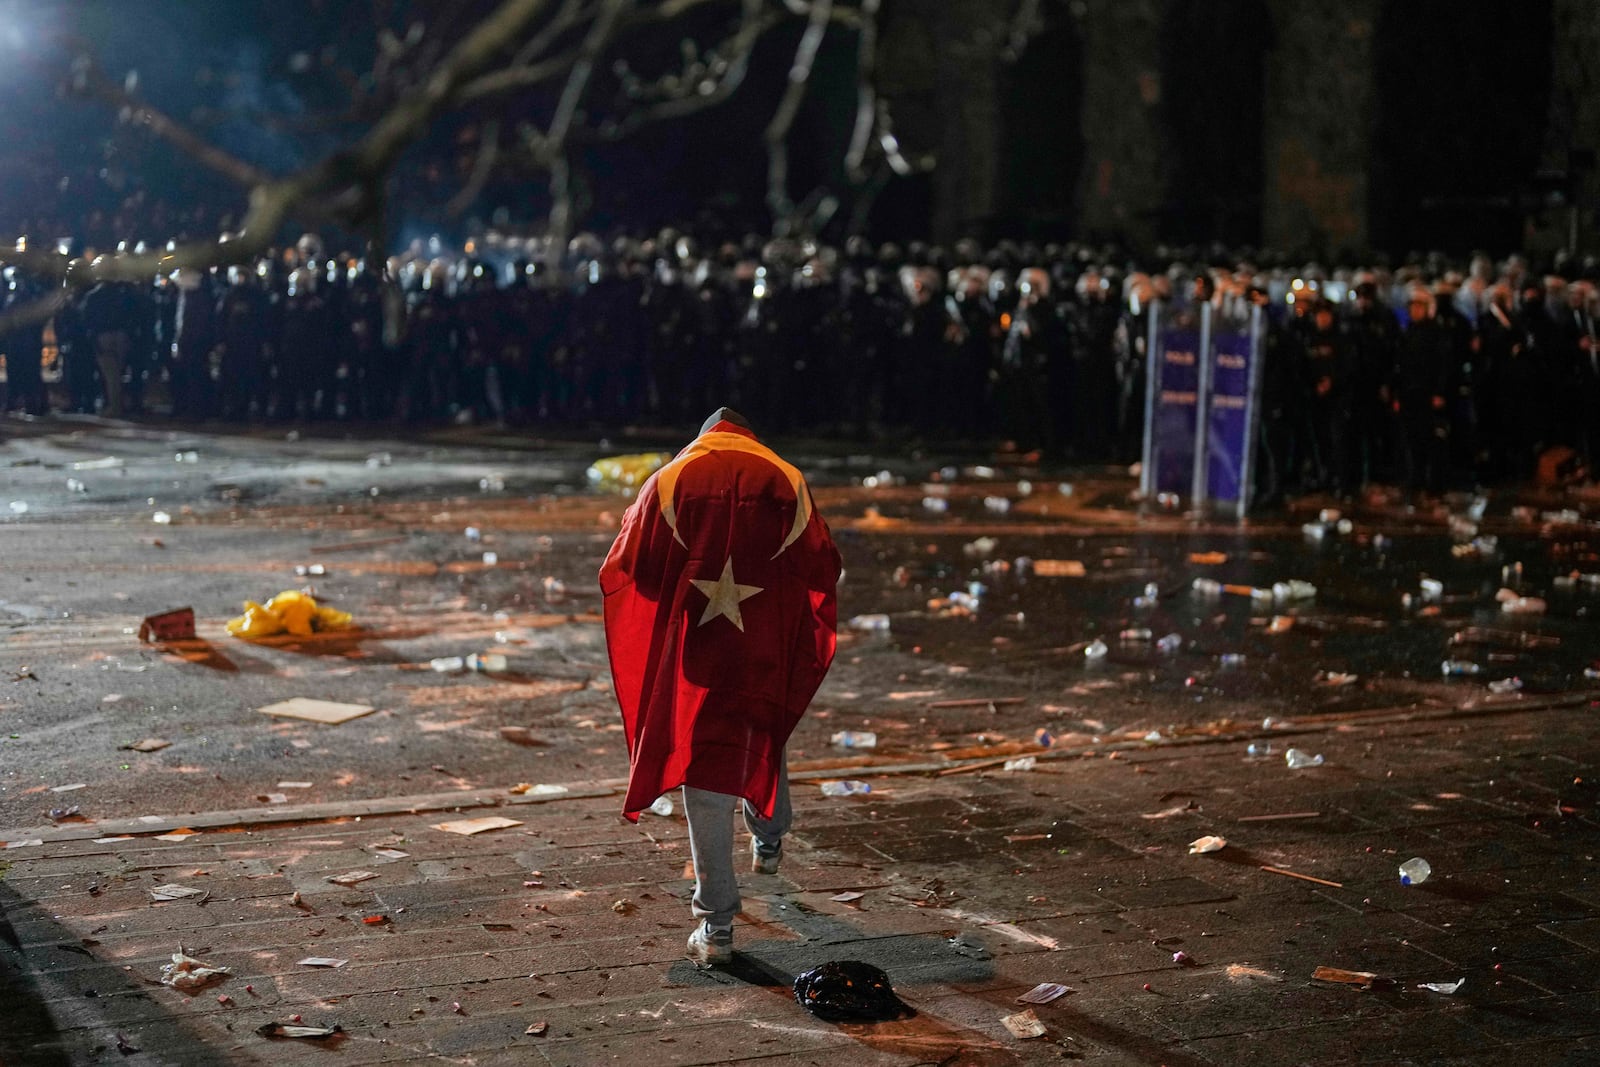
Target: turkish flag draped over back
{"type": "Point", "coordinates": [720, 618]}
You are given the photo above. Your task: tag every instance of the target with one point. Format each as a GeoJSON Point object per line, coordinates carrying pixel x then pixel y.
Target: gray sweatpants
{"type": "Point", "coordinates": [710, 817]}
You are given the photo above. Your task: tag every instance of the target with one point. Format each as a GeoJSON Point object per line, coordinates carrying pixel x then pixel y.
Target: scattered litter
{"type": "Point", "coordinates": [188, 975]}
{"type": "Point", "coordinates": [161, 518]}
{"type": "Point", "coordinates": [313, 570]}
{"type": "Point", "coordinates": [1280, 624]}
{"type": "Point", "coordinates": [1447, 988]}
{"type": "Point", "coordinates": [1043, 993]}
{"type": "Point", "coordinates": [844, 788]}
{"type": "Point", "coordinates": [542, 789]}
{"type": "Point", "coordinates": [310, 709]}
{"type": "Point", "coordinates": [174, 625]}
{"type": "Point", "coordinates": [63, 814]}
{"type": "Point", "coordinates": [1024, 1024]}
{"type": "Point", "coordinates": [1363, 979]}
{"type": "Point", "coordinates": [108, 463]}
{"type": "Point", "coordinates": [297, 1030]}
{"type": "Point", "coordinates": [22, 844]}
{"type": "Point", "coordinates": [1167, 813]}
{"type": "Point", "coordinates": [1059, 568]}
{"type": "Point", "coordinates": [321, 961]}
{"type": "Point", "coordinates": [1302, 877]}
{"type": "Point", "coordinates": [980, 548]}
{"type": "Point", "coordinates": [1415, 871]}
{"type": "Point", "coordinates": [1208, 559]}
{"type": "Point", "coordinates": [352, 877]}
{"type": "Point", "coordinates": [1202, 845]}
{"type": "Point", "coordinates": [1523, 605]}
{"type": "Point", "coordinates": [662, 806]}
{"type": "Point", "coordinates": [1505, 685]}
{"type": "Point", "coordinates": [846, 898]}
{"type": "Point", "coordinates": [854, 739]}
{"type": "Point", "coordinates": [521, 735]}
{"type": "Point", "coordinates": [848, 989]}
{"type": "Point", "coordinates": [1455, 668]}
{"type": "Point", "coordinates": [1298, 760]}
{"type": "Point", "coordinates": [390, 853]}
{"type": "Point", "coordinates": [19, 507]}
{"type": "Point", "coordinates": [173, 891]}
{"type": "Point", "coordinates": [1336, 679]}
{"type": "Point", "coordinates": [68, 788]}
{"type": "Point", "coordinates": [1095, 651]}
{"type": "Point", "coordinates": [1241, 972]}
{"type": "Point", "coordinates": [1183, 959]}
{"type": "Point", "coordinates": [124, 1046]}
{"type": "Point", "coordinates": [291, 611]}
{"type": "Point", "coordinates": [148, 744]}
{"type": "Point", "coordinates": [873, 623]}
{"type": "Point", "coordinates": [1170, 643]}
{"type": "Point", "coordinates": [625, 472]}
{"type": "Point", "coordinates": [487, 662]}
{"type": "Point", "coordinates": [468, 827]}
{"type": "Point", "coordinates": [273, 798]}
{"type": "Point", "coordinates": [537, 1029]}
{"type": "Point", "coordinates": [1024, 763]}
{"type": "Point", "coordinates": [294, 785]}
{"type": "Point", "coordinates": [177, 835]}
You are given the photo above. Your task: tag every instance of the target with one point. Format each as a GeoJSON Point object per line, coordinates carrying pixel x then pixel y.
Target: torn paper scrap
{"type": "Point", "coordinates": [321, 961]}
{"type": "Point", "coordinates": [189, 975]}
{"type": "Point", "coordinates": [173, 891]}
{"type": "Point", "coordinates": [351, 877]}
{"type": "Point", "coordinates": [1043, 993]}
{"type": "Point", "coordinates": [468, 827]}
{"type": "Point", "coordinates": [328, 712]}
{"type": "Point", "coordinates": [1442, 987]}
{"type": "Point", "coordinates": [1024, 1024]}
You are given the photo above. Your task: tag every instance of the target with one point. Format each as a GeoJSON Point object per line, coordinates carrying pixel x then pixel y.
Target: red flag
{"type": "Point", "coordinates": [720, 618]}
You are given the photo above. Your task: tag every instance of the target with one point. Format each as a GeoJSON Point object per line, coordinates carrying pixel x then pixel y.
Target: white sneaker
{"type": "Point", "coordinates": [764, 863]}
{"type": "Point", "coordinates": [710, 946]}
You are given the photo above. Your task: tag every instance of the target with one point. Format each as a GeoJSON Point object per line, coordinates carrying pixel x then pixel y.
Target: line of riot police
{"type": "Point", "coordinates": [1423, 376]}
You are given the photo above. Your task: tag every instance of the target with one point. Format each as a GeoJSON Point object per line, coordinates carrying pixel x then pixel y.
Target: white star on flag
{"type": "Point", "coordinates": [723, 595]}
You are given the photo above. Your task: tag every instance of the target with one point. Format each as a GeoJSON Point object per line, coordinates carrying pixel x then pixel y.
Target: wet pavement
{"type": "Point", "coordinates": [997, 578]}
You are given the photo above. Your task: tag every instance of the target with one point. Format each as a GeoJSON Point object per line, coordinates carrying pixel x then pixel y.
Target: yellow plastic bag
{"type": "Point", "coordinates": [290, 612]}
{"type": "Point", "coordinates": [625, 472]}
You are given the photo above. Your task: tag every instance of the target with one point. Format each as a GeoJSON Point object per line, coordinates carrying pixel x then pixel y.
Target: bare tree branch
{"type": "Point", "coordinates": [777, 132]}
{"type": "Point", "coordinates": [752, 25]}
{"type": "Point", "coordinates": [87, 78]}
{"type": "Point", "coordinates": [482, 167]}
{"type": "Point", "coordinates": [866, 92]}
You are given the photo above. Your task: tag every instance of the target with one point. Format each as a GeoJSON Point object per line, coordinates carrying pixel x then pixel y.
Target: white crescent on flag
{"type": "Point", "coordinates": [705, 444]}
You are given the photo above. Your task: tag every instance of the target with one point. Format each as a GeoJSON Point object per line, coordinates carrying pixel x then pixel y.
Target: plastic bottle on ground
{"type": "Point", "coordinates": [663, 805]}
{"type": "Point", "coordinates": [1298, 760]}
{"type": "Point", "coordinates": [1459, 667]}
{"type": "Point", "coordinates": [876, 623]}
{"type": "Point", "coordinates": [1095, 651]}
{"type": "Point", "coordinates": [447, 664]}
{"type": "Point", "coordinates": [487, 663]}
{"type": "Point", "coordinates": [1414, 871]}
{"type": "Point", "coordinates": [854, 739]}
{"type": "Point", "coordinates": [846, 788]}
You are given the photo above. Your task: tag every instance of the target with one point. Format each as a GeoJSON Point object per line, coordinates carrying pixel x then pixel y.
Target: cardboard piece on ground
{"type": "Point", "coordinates": [468, 827]}
{"type": "Point", "coordinates": [173, 891]}
{"type": "Point", "coordinates": [174, 625]}
{"type": "Point", "coordinates": [351, 877]}
{"type": "Point", "coordinates": [1024, 1024]}
{"type": "Point", "coordinates": [310, 709]}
